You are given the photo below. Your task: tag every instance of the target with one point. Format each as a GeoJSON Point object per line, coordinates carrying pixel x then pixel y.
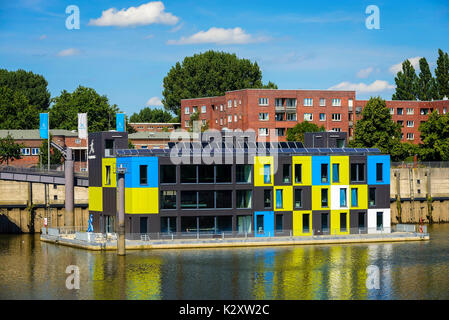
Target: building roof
{"type": "Point", "coordinates": [146, 135]}
{"type": "Point", "coordinates": [33, 134]}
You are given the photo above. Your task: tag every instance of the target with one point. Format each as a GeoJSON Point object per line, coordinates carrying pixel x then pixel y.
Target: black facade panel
{"type": "Point", "coordinates": [354, 221]}
{"type": "Point", "coordinates": [258, 198]}
{"type": "Point", "coordinates": [110, 201]}
{"type": "Point", "coordinates": [382, 199]}
{"type": "Point", "coordinates": [279, 174]}
{"type": "Point", "coordinates": [354, 159]}
{"type": "Point", "coordinates": [306, 198]}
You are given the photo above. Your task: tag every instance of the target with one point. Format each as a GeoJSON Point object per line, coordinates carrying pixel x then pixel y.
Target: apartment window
{"type": "Point", "coordinates": [267, 198]}
{"type": "Point", "coordinates": [279, 199]}
{"type": "Point", "coordinates": [229, 118]}
{"type": "Point", "coordinates": [221, 121]}
{"type": "Point", "coordinates": [25, 151]}
{"type": "Point", "coordinates": [291, 102]}
{"type": "Point", "coordinates": [379, 172]}
{"type": "Point", "coordinates": [379, 220]}
{"type": "Point", "coordinates": [324, 197]}
{"type": "Point", "coordinates": [188, 174]}
{"type": "Point", "coordinates": [298, 173]}
{"type": "Point", "coordinates": [263, 131]}
{"type": "Point", "coordinates": [244, 199]}
{"type": "Point", "coordinates": [410, 111]}
{"type": "Point", "coordinates": [187, 110]}
{"type": "Point", "coordinates": [291, 116]}
{"type": "Point", "coordinates": [203, 122]}
{"type": "Point", "coordinates": [342, 197]}
{"type": "Point", "coordinates": [263, 101]}
{"type": "Point", "coordinates": [336, 117]}
{"type": "Point", "coordinates": [223, 199]}
{"type": "Point", "coordinates": [235, 118]}
{"type": "Point", "coordinates": [206, 174]}
{"type": "Point", "coordinates": [372, 196]}
{"type": "Point", "coordinates": [243, 173]}
{"type": "Point", "coordinates": [336, 102]}
{"type": "Point", "coordinates": [350, 102]}
{"type": "Point", "coordinates": [322, 117]}
{"type": "Point", "coordinates": [322, 102]}
{"type": "Point", "coordinates": [266, 173]}
{"type": "Point", "coordinates": [308, 116]}
{"type": "Point", "coordinates": [400, 111]}
{"type": "Point", "coordinates": [108, 175]}
{"type": "Point", "coordinates": [391, 111]}
{"type": "Point", "coordinates": [168, 199]}
{"type": "Point", "coordinates": [186, 123]}
{"type": "Point", "coordinates": [223, 173]}
{"type": "Point", "coordinates": [298, 198]}
{"type": "Point", "coordinates": [324, 168]}
{"type": "Point", "coordinates": [229, 103]}
{"type": "Point", "coordinates": [168, 173]}
{"type": "Point", "coordinates": [308, 102]}
{"type": "Point", "coordinates": [235, 103]}
{"type": "Point", "coordinates": [279, 117]}
{"type": "Point", "coordinates": [280, 132]}
{"type": "Point", "coordinates": [35, 151]}
{"type": "Point", "coordinates": [203, 109]}
{"type": "Point", "coordinates": [306, 223]}
{"type": "Point", "coordinates": [263, 116]}
{"type": "Point", "coordinates": [143, 174]}
{"type": "Point", "coordinates": [354, 197]}
{"type": "Point", "coordinates": [343, 222]}
{"type": "Point", "coordinates": [279, 222]}
{"type": "Point", "coordinates": [221, 107]}
{"type": "Point", "coordinates": [444, 110]}
{"type": "Point", "coordinates": [357, 172]}
{"type": "Point", "coordinates": [194, 109]}
{"type": "Point", "coordinates": [336, 129]}
{"type": "Point", "coordinates": [401, 123]}
{"type": "Point", "coordinates": [410, 124]}
{"type": "Point", "coordinates": [335, 172]}
{"type": "Point", "coordinates": [410, 136]}
{"type": "Point", "coordinates": [286, 173]}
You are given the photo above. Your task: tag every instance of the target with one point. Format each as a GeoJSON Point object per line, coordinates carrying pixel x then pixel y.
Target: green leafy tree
{"type": "Point", "coordinates": [152, 115]}
{"type": "Point", "coordinates": [435, 138]}
{"type": "Point", "coordinates": [426, 82]}
{"type": "Point", "coordinates": [211, 73]}
{"type": "Point", "coordinates": [297, 132]}
{"type": "Point", "coordinates": [32, 86]}
{"type": "Point", "coordinates": [65, 109]}
{"type": "Point", "coordinates": [376, 129]}
{"type": "Point", "coordinates": [55, 155]}
{"type": "Point", "coordinates": [442, 75]}
{"type": "Point", "coordinates": [406, 83]}
{"type": "Point", "coordinates": [15, 110]}
{"type": "Point", "coordinates": [9, 150]}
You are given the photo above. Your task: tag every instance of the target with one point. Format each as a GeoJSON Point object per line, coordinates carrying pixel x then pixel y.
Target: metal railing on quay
{"type": "Point", "coordinates": [421, 164]}
{"type": "Point", "coordinates": [54, 169]}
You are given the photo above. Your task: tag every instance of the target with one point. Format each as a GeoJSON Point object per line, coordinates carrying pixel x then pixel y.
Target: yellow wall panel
{"type": "Point", "coordinates": [112, 163]}
{"type": "Point", "coordinates": [343, 162]}
{"type": "Point", "coordinates": [306, 166]}
{"type": "Point", "coordinates": [362, 196]}
{"type": "Point", "coordinates": [335, 222]}
{"type": "Point", "coordinates": [96, 198]}
{"type": "Point", "coordinates": [141, 200]}
{"type": "Point", "coordinates": [259, 162]}
{"type": "Point", "coordinates": [287, 195]}
{"type": "Point", "coordinates": [297, 223]}
{"type": "Point", "coordinates": [316, 197]}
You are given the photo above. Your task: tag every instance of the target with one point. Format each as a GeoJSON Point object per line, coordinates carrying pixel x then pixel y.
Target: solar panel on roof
{"type": "Point", "coordinates": [325, 150]}
{"type": "Point", "coordinates": [360, 149]}
{"type": "Point", "coordinates": [284, 145]}
{"type": "Point", "coordinates": [337, 150]}
{"type": "Point", "coordinates": [313, 150]}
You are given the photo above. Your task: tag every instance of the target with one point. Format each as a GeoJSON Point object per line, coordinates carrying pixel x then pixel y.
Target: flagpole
{"type": "Point", "coordinates": [48, 141]}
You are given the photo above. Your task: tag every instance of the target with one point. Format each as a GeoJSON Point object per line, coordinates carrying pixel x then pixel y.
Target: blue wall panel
{"type": "Point", "coordinates": [132, 178]}
{"type": "Point", "coordinates": [316, 170]}
{"type": "Point", "coordinates": [371, 169]}
{"type": "Point", "coordinates": [268, 223]}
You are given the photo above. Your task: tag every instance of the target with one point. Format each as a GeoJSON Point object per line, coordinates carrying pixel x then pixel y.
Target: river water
{"type": "Point", "coordinates": [30, 269]}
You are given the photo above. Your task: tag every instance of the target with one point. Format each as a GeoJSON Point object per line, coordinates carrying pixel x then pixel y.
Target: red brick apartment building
{"type": "Point", "coordinates": [265, 109]}
{"type": "Point", "coordinates": [154, 126]}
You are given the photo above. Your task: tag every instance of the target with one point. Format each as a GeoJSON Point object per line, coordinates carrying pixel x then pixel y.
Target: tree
{"type": "Point", "coordinates": [32, 86]}
{"type": "Point", "coordinates": [435, 138]}
{"type": "Point", "coordinates": [152, 115]}
{"type": "Point", "coordinates": [100, 114]}
{"type": "Point", "coordinates": [9, 149]}
{"type": "Point", "coordinates": [55, 155]}
{"type": "Point", "coordinates": [208, 74]}
{"type": "Point", "coordinates": [297, 132]}
{"type": "Point", "coordinates": [406, 83]}
{"type": "Point", "coordinates": [376, 129]}
{"type": "Point", "coordinates": [15, 110]}
{"type": "Point", "coordinates": [426, 82]}
{"type": "Point", "coordinates": [442, 75]}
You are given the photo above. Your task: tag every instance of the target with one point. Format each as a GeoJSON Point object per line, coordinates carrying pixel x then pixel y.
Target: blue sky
{"type": "Point", "coordinates": [125, 52]}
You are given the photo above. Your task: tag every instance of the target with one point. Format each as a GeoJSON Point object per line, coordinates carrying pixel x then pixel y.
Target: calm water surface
{"type": "Point", "coordinates": [30, 269]}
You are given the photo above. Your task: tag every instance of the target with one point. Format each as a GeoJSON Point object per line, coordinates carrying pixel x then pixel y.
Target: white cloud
{"type": "Point", "coordinates": [219, 36]}
{"type": "Point", "coordinates": [177, 28]}
{"type": "Point", "coordinates": [69, 52]}
{"type": "Point", "coordinates": [148, 13]}
{"type": "Point", "coordinates": [376, 86]}
{"type": "Point", "coordinates": [398, 67]}
{"type": "Point", "coordinates": [364, 73]}
{"type": "Point", "coordinates": [154, 102]}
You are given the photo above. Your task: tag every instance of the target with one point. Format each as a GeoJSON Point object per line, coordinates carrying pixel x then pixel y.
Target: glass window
{"type": "Point", "coordinates": [306, 223]}
{"type": "Point", "coordinates": [187, 110]}
{"type": "Point", "coordinates": [379, 171]}
{"type": "Point", "coordinates": [259, 222]}
{"type": "Point", "coordinates": [322, 102]}
{"type": "Point", "coordinates": [335, 172]}
{"type": "Point", "coordinates": [308, 116]}
{"type": "Point", "coordinates": [308, 102]}
{"type": "Point", "coordinates": [143, 174]}
{"type": "Point", "coordinates": [188, 174]}
{"type": "Point", "coordinates": [206, 174]}
{"type": "Point", "coordinates": [357, 172]}
{"type": "Point", "coordinates": [343, 222]}
{"type": "Point", "coordinates": [243, 173]}
{"type": "Point", "coordinates": [324, 172]}
{"type": "Point", "coordinates": [205, 199]}
{"type": "Point", "coordinates": [168, 224]}
{"type": "Point", "coordinates": [298, 198]}
{"type": "Point", "coordinates": [244, 199]}
{"type": "Point", "coordinates": [168, 174]}
{"type": "Point", "coordinates": [279, 224]}
{"type": "Point", "coordinates": [362, 218]}
{"type": "Point", "coordinates": [203, 109]}
{"type": "Point", "coordinates": [286, 173]}
{"type": "Point", "coordinates": [324, 197]}
{"type": "Point", "coordinates": [188, 200]}
{"type": "Point", "coordinates": [279, 199]}
{"type": "Point", "coordinates": [372, 196]}
{"type": "Point", "coordinates": [298, 173]}
{"type": "Point", "coordinates": [263, 101]}
{"type": "Point", "coordinates": [223, 199]}
{"type": "Point", "coordinates": [354, 197]}
{"type": "Point", "coordinates": [108, 175]}
{"type": "Point", "coordinates": [168, 199]}
{"type": "Point", "coordinates": [379, 220]}
{"type": "Point", "coordinates": [223, 173]}
{"type": "Point", "coordinates": [322, 117]}
{"type": "Point", "coordinates": [343, 197]}
{"type": "Point", "coordinates": [325, 222]}
{"type": "Point", "coordinates": [266, 173]}
{"type": "Point", "coordinates": [267, 198]}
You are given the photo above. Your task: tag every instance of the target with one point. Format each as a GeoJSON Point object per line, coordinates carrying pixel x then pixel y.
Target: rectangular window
{"type": "Point", "coordinates": [343, 197]}
{"type": "Point", "coordinates": [221, 107]}
{"type": "Point", "coordinates": [308, 116]}
{"type": "Point", "coordinates": [324, 176]}
{"type": "Point", "coordinates": [410, 136]}
{"type": "Point", "coordinates": [168, 174]}
{"type": "Point", "coordinates": [379, 172]}
{"type": "Point", "coordinates": [379, 221]}
{"type": "Point", "coordinates": [205, 199]}
{"type": "Point", "coordinates": [194, 109]}
{"type": "Point", "coordinates": [280, 132]}
{"type": "Point", "coordinates": [35, 151]}
{"type": "Point", "coordinates": [372, 196]}
{"type": "Point", "coordinates": [266, 173]}
{"type": "Point", "coordinates": [335, 172]}
{"type": "Point", "coordinates": [322, 117]}
{"type": "Point", "coordinates": [291, 102]}
{"type": "Point", "coordinates": [187, 110]}
{"type": "Point", "coordinates": [336, 102]}
{"type": "Point", "coordinates": [410, 124]}
{"type": "Point", "coordinates": [325, 222]}
{"type": "Point", "coordinates": [279, 224]}
{"type": "Point", "coordinates": [279, 199]}
{"type": "Point", "coordinates": [279, 117]}
{"type": "Point", "coordinates": [400, 111]}
{"type": "Point", "coordinates": [410, 111]}
{"type": "Point", "coordinates": [259, 222]}
{"type": "Point", "coordinates": [229, 118]}
{"type": "Point", "coordinates": [343, 222]}
{"type": "Point", "coordinates": [143, 174]}
{"type": "Point", "coordinates": [243, 173]}
{"type": "Point", "coordinates": [308, 102]}
{"type": "Point", "coordinates": [322, 102]}
{"type": "Point", "coordinates": [291, 116]}
{"type": "Point", "coordinates": [298, 173]}
{"type": "Point", "coordinates": [354, 197]}
{"type": "Point", "coordinates": [188, 174]}
{"type": "Point", "coordinates": [286, 173]}
{"type": "Point", "coordinates": [244, 199]}
{"type": "Point", "coordinates": [263, 131]}
{"type": "Point", "coordinates": [186, 123]}
{"type": "Point", "coordinates": [108, 175]}
{"type": "Point", "coordinates": [203, 109]}
{"type": "Point", "coordinates": [324, 197]}
{"type": "Point", "coordinates": [306, 223]}
{"type": "Point", "coordinates": [401, 123]}
{"type": "Point", "coordinates": [229, 103]}
{"type": "Point", "coordinates": [350, 103]}
{"type": "Point", "coordinates": [188, 200]}
{"type": "Point", "coordinates": [235, 103]}
{"type": "Point", "coordinates": [206, 174]}
{"type": "Point", "coordinates": [223, 173]}
{"type": "Point", "coordinates": [263, 101]}
{"type": "Point", "coordinates": [336, 117]}
{"type": "Point", "coordinates": [267, 198]}
{"type": "Point", "coordinates": [235, 118]}
{"type": "Point", "coordinates": [25, 151]}
{"type": "Point", "coordinates": [392, 111]}
{"type": "Point", "coordinates": [168, 199]}
{"type": "Point", "coordinates": [357, 172]}
{"type": "Point", "coordinates": [263, 116]}
{"type": "Point", "coordinates": [223, 199]}
{"type": "Point", "coordinates": [298, 198]}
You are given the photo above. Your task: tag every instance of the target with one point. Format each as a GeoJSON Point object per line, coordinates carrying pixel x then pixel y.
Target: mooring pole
{"type": "Point", "coordinates": [121, 213]}
{"type": "Point", "coordinates": [69, 190]}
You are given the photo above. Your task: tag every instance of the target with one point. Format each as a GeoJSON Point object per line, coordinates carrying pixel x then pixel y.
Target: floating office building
{"type": "Point", "coordinates": [233, 185]}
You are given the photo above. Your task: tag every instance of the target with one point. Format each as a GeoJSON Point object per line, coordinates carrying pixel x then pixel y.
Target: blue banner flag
{"type": "Point", "coordinates": [120, 121]}
{"type": "Point", "coordinates": [43, 125]}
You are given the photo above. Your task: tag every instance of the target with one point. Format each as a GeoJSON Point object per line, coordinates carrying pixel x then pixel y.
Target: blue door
{"type": "Point", "coordinates": [264, 223]}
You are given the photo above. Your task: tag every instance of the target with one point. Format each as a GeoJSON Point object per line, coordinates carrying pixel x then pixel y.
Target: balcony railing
{"type": "Point", "coordinates": [279, 108]}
